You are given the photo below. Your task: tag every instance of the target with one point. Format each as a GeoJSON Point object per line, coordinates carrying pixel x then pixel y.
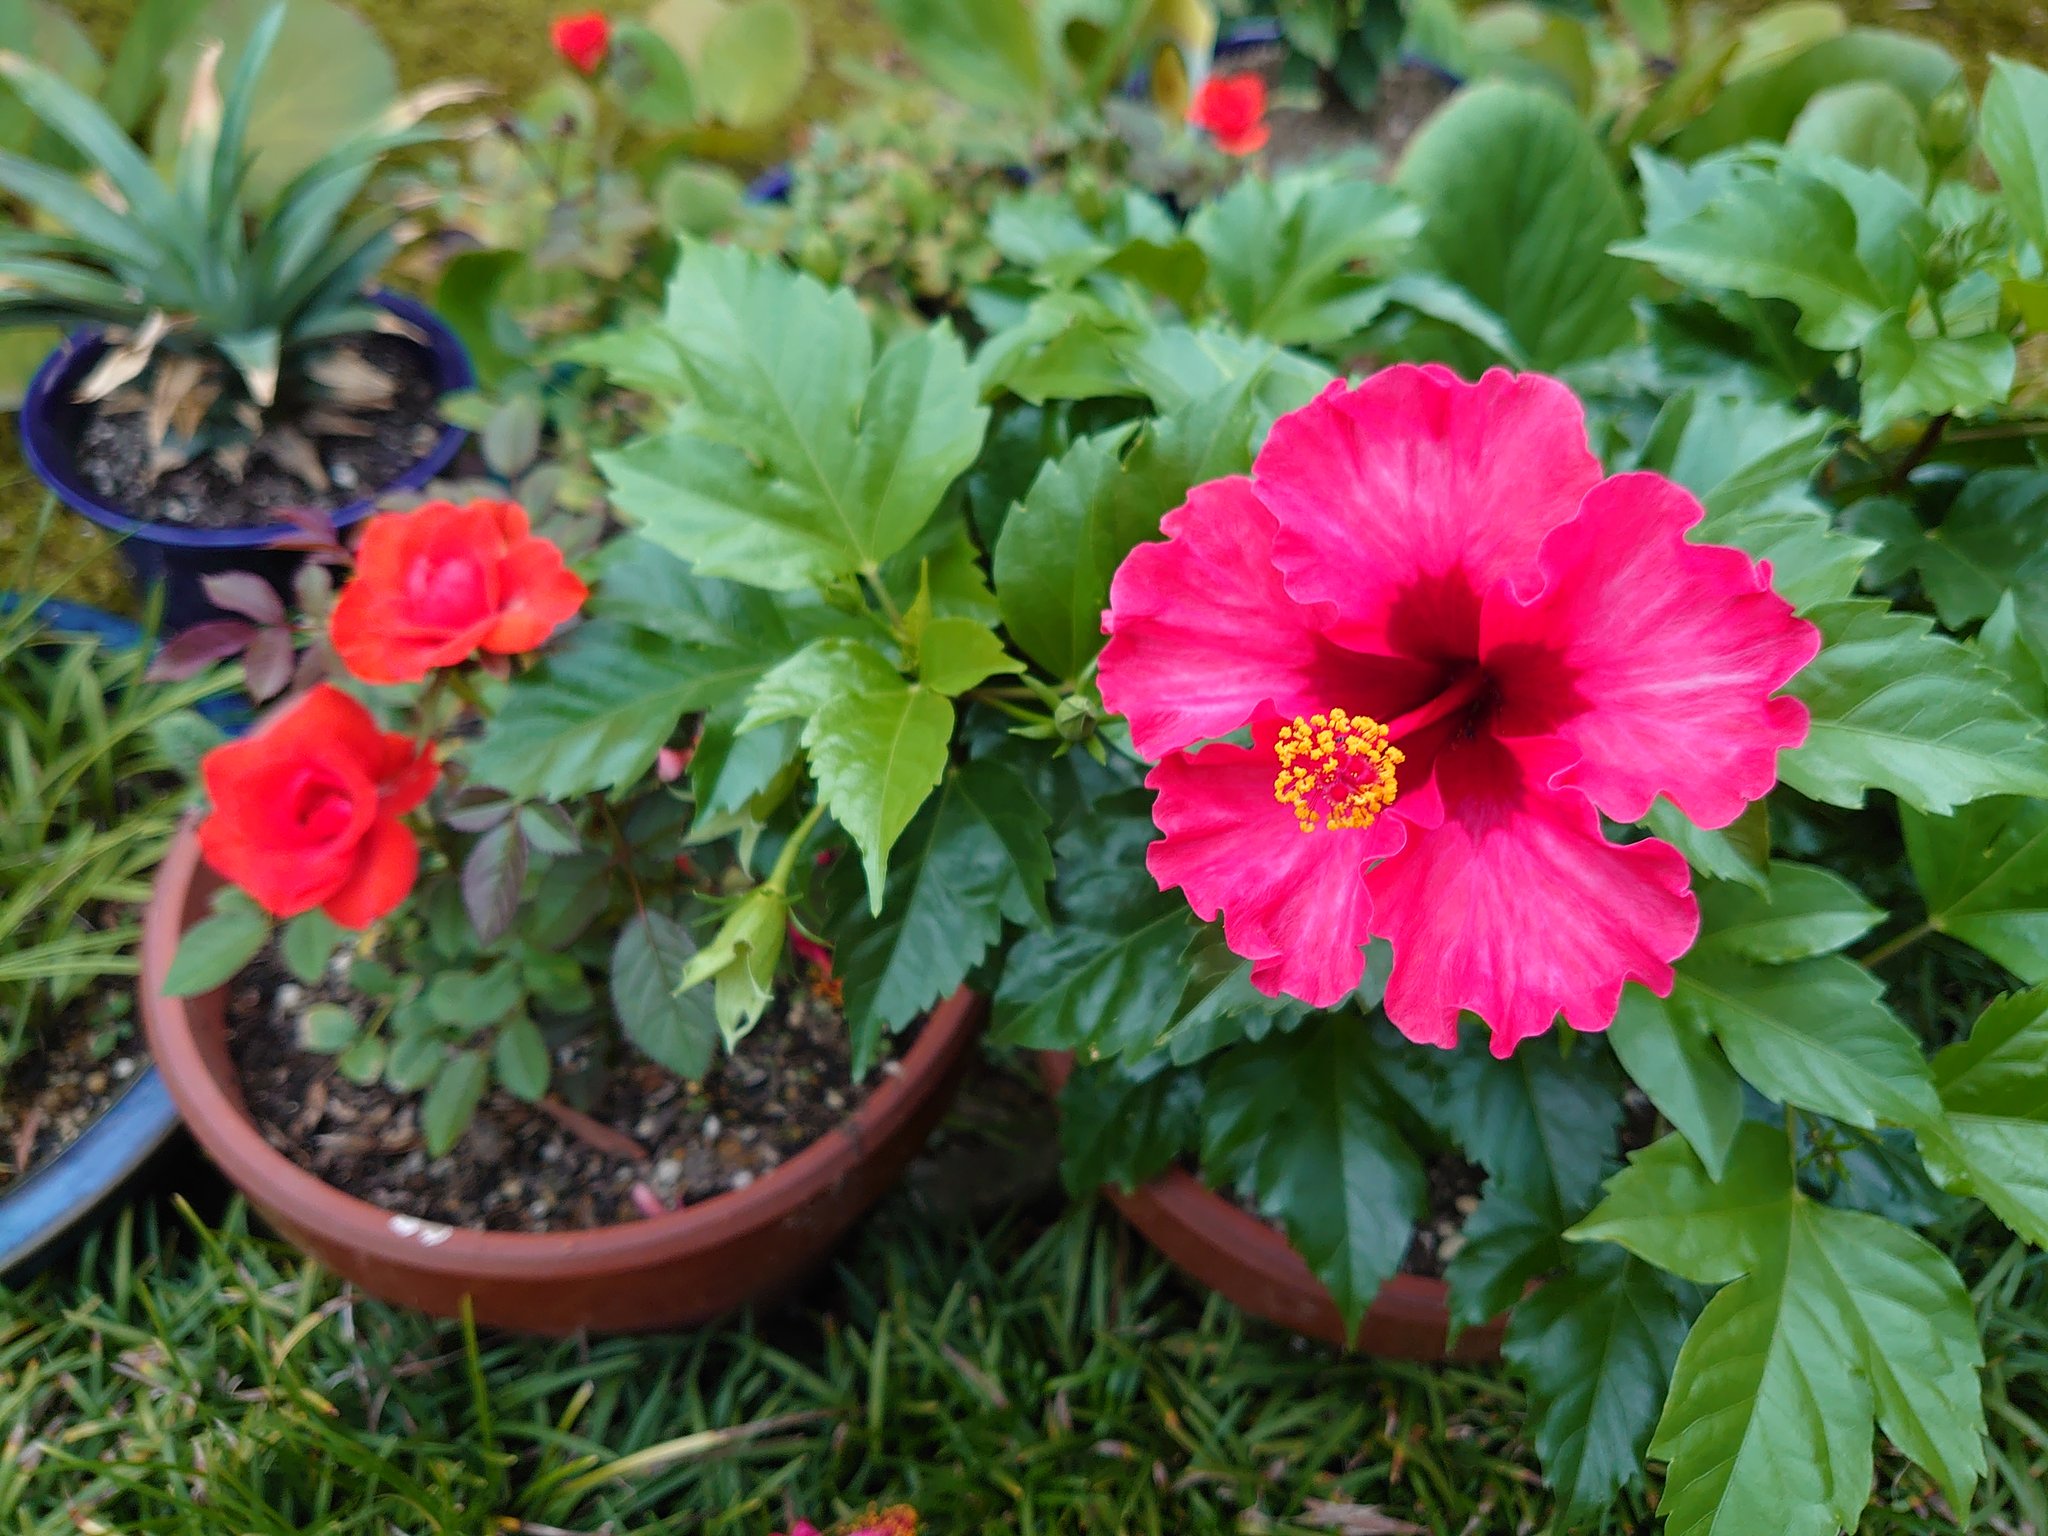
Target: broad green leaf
{"type": "Point", "coordinates": [1124, 1130]}
{"type": "Point", "coordinates": [1972, 557]}
{"type": "Point", "coordinates": [1522, 207]}
{"type": "Point", "coordinates": [1787, 236]}
{"type": "Point", "coordinates": [1834, 1318]}
{"type": "Point", "coordinates": [1108, 977]}
{"type": "Point", "coordinates": [740, 962]}
{"type": "Point", "coordinates": [1983, 873]}
{"type": "Point", "coordinates": [2013, 133]}
{"type": "Point", "coordinates": [214, 950]}
{"type": "Point", "coordinates": [956, 654]}
{"type": "Point", "coordinates": [876, 756]}
{"type": "Point", "coordinates": [1993, 1142]}
{"type": "Point", "coordinates": [1896, 707]}
{"type": "Point", "coordinates": [1738, 852]}
{"type": "Point", "coordinates": [975, 858]}
{"type": "Point", "coordinates": [450, 1104]}
{"type": "Point", "coordinates": [519, 1056]}
{"type": "Point", "coordinates": [468, 1000]}
{"type": "Point", "coordinates": [1285, 255]}
{"type": "Point", "coordinates": [1090, 507]}
{"type": "Point", "coordinates": [1907, 377]}
{"type": "Point", "coordinates": [822, 671]}
{"type": "Point", "coordinates": [674, 1026]}
{"type": "Point", "coordinates": [755, 59]}
{"type": "Point", "coordinates": [603, 701]}
{"type": "Point", "coordinates": [1595, 1348]}
{"type": "Point", "coordinates": [802, 457]}
{"type": "Point", "coordinates": [1541, 1120]}
{"type": "Point", "coordinates": [986, 53]}
{"type": "Point", "coordinates": [1220, 1007]}
{"type": "Point", "coordinates": [2005, 643]}
{"type": "Point", "coordinates": [1509, 1240]}
{"type": "Point", "coordinates": [1734, 452]}
{"type": "Point", "coordinates": [1805, 911]}
{"type": "Point", "coordinates": [1764, 104]}
{"type": "Point", "coordinates": [1668, 1053]}
{"type": "Point", "coordinates": [1304, 1124]}
{"type": "Point", "coordinates": [494, 881]}
{"type": "Point", "coordinates": [307, 943]}
{"type": "Point", "coordinates": [1868, 123]}
{"type": "Point", "coordinates": [328, 1028]}
{"type": "Point", "coordinates": [1815, 1033]}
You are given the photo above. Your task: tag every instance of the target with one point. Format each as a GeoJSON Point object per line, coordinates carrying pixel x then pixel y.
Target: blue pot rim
{"type": "Point", "coordinates": [50, 462]}
{"type": "Point", "coordinates": [39, 1212]}
{"type": "Point", "coordinates": [228, 709]}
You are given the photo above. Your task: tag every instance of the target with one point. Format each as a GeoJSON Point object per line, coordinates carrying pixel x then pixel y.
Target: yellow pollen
{"type": "Point", "coordinates": [1336, 770]}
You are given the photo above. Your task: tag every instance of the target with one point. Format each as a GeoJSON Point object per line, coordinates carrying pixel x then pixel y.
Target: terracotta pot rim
{"type": "Point", "coordinates": [225, 1129]}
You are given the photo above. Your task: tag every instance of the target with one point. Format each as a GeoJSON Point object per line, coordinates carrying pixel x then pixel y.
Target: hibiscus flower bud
{"type": "Point", "coordinates": [1075, 718]}
{"type": "Point", "coordinates": [306, 811]}
{"type": "Point", "coordinates": [434, 586]}
{"type": "Point", "coordinates": [583, 40]}
{"type": "Point", "coordinates": [1232, 109]}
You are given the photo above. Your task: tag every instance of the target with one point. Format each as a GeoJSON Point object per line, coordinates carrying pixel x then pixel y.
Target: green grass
{"type": "Point", "coordinates": [1028, 1376]}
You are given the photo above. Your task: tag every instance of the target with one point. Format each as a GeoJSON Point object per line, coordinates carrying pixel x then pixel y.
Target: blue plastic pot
{"type": "Point", "coordinates": [41, 1215]}
{"type": "Point", "coordinates": [180, 557]}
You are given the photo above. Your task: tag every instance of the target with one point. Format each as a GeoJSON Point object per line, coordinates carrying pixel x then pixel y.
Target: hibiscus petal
{"type": "Point", "coordinates": [1294, 902]}
{"type": "Point", "coordinates": [1402, 499]}
{"type": "Point", "coordinates": [1517, 908]}
{"type": "Point", "coordinates": [1203, 636]}
{"type": "Point", "coordinates": [387, 863]}
{"type": "Point", "coordinates": [1654, 657]}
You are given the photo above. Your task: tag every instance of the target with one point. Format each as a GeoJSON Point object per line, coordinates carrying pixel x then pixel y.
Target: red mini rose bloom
{"type": "Point", "coordinates": [1455, 646]}
{"type": "Point", "coordinates": [306, 811]}
{"type": "Point", "coordinates": [1232, 108]}
{"type": "Point", "coordinates": [436, 585]}
{"type": "Point", "coordinates": [583, 40]}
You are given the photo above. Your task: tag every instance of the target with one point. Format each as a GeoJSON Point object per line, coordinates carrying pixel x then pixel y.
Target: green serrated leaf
{"type": "Point", "coordinates": [676, 1026]}
{"type": "Point", "coordinates": [1805, 911]}
{"type": "Point", "coordinates": [1993, 1140]}
{"type": "Point", "coordinates": [975, 858]}
{"type": "Point", "coordinates": [1739, 852]}
{"type": "Point", "coordinates": [1984, 875]}
{"type": "Point", "coordinates": [1124, 1130]}
{"type": "Point", "coordinates": [955, 655]}
{"type": "Point", "coordinates": [1669, 1054]}
{"type": "Point", "coordinates": [1897, 707]}
{"type": "Point", "coordinates": [1303, 1124]}
{"type": "Point", "coordinates": [328, 1028]}
{"type": "Point", "coordinates": [307, 943]}
{"type": "Point", "coordinates": [520, 1058]}
{"type": "Point", "coordinates": [822, 671]}
{"type": "Point", "coordinates": [876, 757]}
{"type": "Point", "coordinates": [450, 1104]}
{"type": "Point", "coordinates": [213, 951]}
{"type": "Point", "coordinates": [2013, 133]}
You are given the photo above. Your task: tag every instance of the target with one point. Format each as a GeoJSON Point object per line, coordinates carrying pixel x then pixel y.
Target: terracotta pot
{"type": "Point", "coordinates": [1231, 1251]}
{"type": "Point", "coordinates": [678, 1269]}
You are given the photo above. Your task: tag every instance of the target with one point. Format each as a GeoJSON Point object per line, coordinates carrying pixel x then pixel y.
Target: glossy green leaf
{"type": "Point", "coordinates": [307, 943]}
{"type": "Point", "coordinates": [802, 456]}
{"type": "Point", "coordinates": [2013, 133]}
{"type": "Point", "coordinates": [1805, 911]}
{"type": "Point", "coordinates": [214, 950]}
{"type": "Point", "coordinates": [975, 858]}
{"type": "Point", "coordinates": [1668, 1052]}
{"type": "Point", "coordinates": [1869, 123]}
{"type": "Point", "coordinates": [1124, 1130]}
{"type": "Point", "coordinates": [876, 756]}
{"type": "Point", "coordinates": [1815, 1033]}
{"type": "Point", "coordinates": [328, 1028]}
{"type": "Point", "coordinates": [1595, 1349]}
{"type": "Point", "coordinates": [1833, 1319]}
{"type": "Point", "coordinates": [822, 671]}
{"type": "Point", "coordinates": [1993, 1141]}
{"type": "Point", "coordinates": [1908, 378]}
{"type": "Point", "coordinates": [1738, 852]}
{"type": "Point", "coordinates": [1983, 873]}
{"type": "Point", "coordinates": [1521, 207]}
{"type": "Point", "coordinates": [519, 1056]}
{"type": "Point", "coordinates": [450, 1104]}
{"type": "Point", "coordinates": [956, 654]}
{"type": "Point", "coordinates": [1897, 707]}
{"type": "Point", "coordinates": [675, 1027]}
{"type": "Point", "coordinates": [1303, 1124]}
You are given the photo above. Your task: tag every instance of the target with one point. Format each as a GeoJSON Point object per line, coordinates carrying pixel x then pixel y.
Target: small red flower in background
{"type": "Point", "coordinates": [900, 1521]}
{"type": "Point", "coordinates": [583, 40]}
{"type": "Point", "coordinates": [306, 811]}
{"type": "Point", "coordinates": [1232, 109]}
{"type": "Point", "coordinates": [1544, 647]}
{"type": "Point", "coordinates": [435, 585]}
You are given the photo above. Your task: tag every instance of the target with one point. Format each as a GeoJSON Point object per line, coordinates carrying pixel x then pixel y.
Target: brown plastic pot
{"type": "Point", "coordinates": [674, 1270]}
{"type": "Point", "coordinates": [1233, 1253]}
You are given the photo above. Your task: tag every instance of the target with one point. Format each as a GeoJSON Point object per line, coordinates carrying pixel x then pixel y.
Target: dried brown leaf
{"type": "Point", "coordinates": [353, 380]}
{"type": "Point", "coordinates": [124, 362]}
{"type": "Point", "coordinates": [293, 450]}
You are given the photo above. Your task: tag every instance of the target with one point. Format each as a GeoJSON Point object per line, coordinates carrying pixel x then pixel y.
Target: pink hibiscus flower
{"type": "Point", "coordinates": [1455, 645]}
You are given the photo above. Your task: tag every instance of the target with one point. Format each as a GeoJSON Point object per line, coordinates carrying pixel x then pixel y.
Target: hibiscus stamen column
{"type": "Point", "coordinates": [1337, 770]}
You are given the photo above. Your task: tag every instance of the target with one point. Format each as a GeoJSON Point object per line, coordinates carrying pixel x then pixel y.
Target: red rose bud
{"type": "Point", "coordinates": [1232, 109]}
{"type": "Point", "coordinates": [670, 762]}
{"type": "Point", "coordinates": [583, 40]}
{"type": "Point", "coordinates": [435, 585]}
{"type": "Point", "coordinates": [306, 811]}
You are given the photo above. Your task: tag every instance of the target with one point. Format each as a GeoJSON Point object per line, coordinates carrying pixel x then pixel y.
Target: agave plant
{"type": "Point", "coordinates": [221, 309]}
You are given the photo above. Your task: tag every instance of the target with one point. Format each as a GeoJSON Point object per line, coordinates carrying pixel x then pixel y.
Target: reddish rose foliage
{"type": "Point", "coordinates": [306, 811]}
{"type": "Point", "coordinates": [434, 586]}
{"type": "Point", "coordinates": [1232, 109]}
{"type": "Point", "coordinates": [1455, 646]}
{"type": "Point", "coordinates": [582, 40]}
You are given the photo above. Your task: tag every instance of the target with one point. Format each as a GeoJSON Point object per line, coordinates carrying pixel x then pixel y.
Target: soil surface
{"type": "Point", "coordinates": [519, 1168]}
{"type": "Point", "coordinates": [114, 454]}
{"type": "Point", "coordinates": [50, 1096]}
{"type": "Point", "coordinates": [1409, 93]}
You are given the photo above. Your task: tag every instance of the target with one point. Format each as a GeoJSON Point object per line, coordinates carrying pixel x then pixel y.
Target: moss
{"type": "Point", "coordinates": [1972, 30]}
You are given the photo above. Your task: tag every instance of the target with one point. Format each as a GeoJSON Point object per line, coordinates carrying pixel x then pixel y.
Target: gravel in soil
{"type": "Point", "coordinates": [519, 1168]}
{"type": "Point", "coordinates": [114, 455]}
{"type": "Point", "coordinates": [49, 1096]}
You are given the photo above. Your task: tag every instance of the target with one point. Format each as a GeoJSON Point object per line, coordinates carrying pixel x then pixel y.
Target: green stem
{"type": "Point", "coordinates": [785, 862]}
{"type": "Point", "coordinates": [1897, 944]}
{"type": "Point", "coordinates": [872, 575]}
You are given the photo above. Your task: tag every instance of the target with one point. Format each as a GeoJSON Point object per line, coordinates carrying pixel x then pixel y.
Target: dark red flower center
{"type": "Point", "coordinates": [450, 593]}
{"type": "Point", "coordinates": [319, 804]}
